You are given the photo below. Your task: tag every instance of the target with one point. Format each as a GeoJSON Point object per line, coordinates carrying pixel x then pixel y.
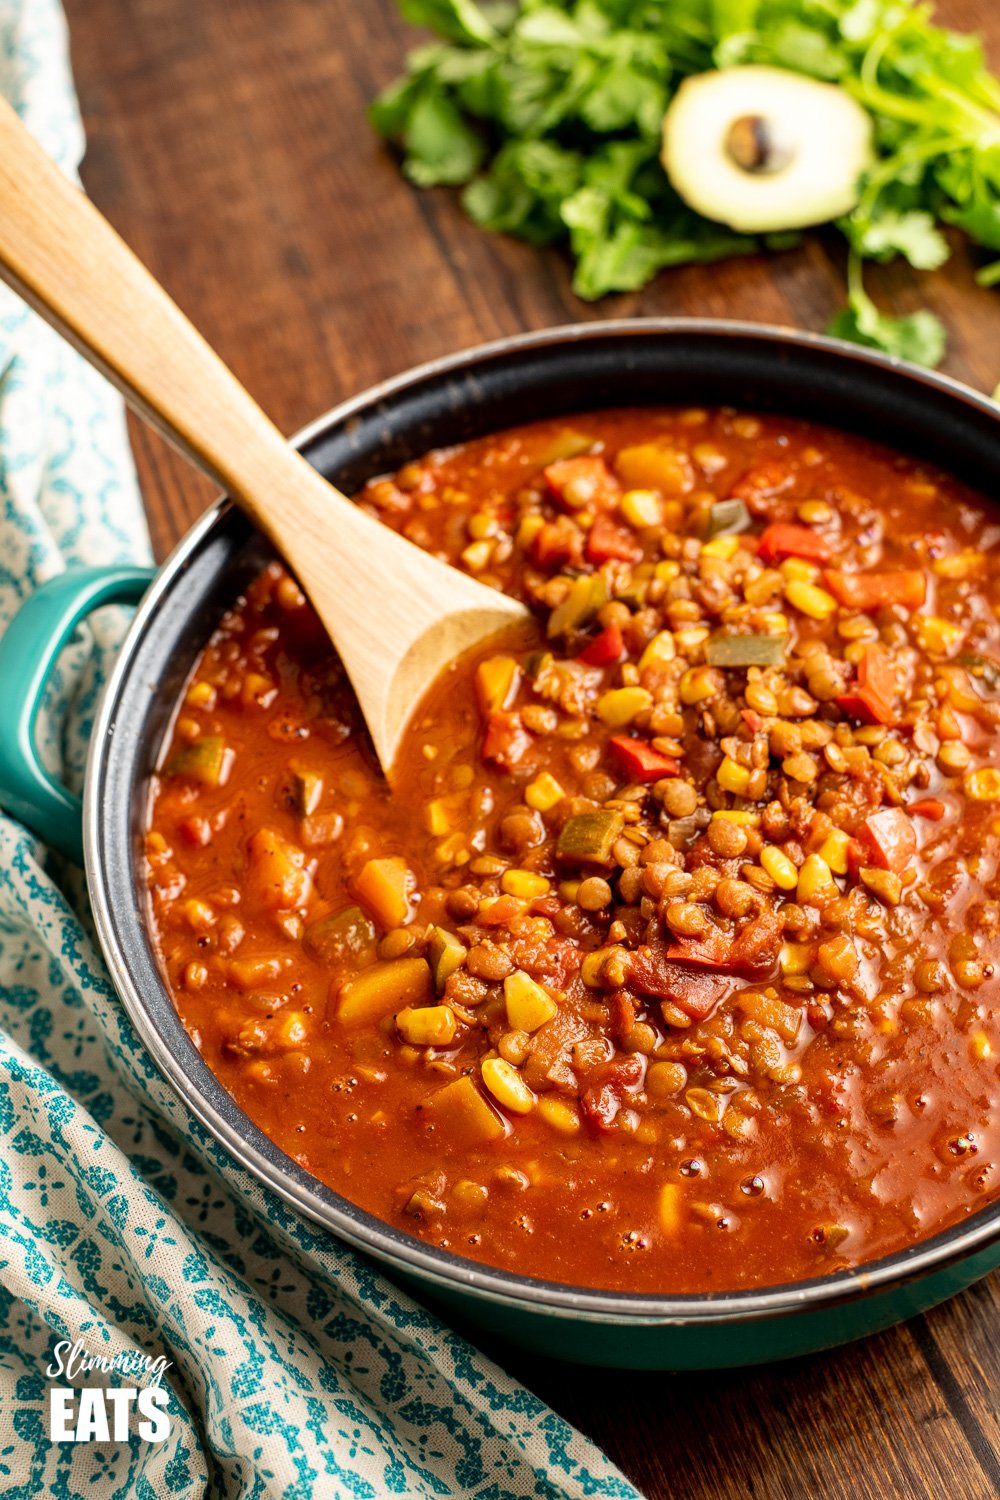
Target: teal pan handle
{"type": "Point", "coordinates": [29, 649]}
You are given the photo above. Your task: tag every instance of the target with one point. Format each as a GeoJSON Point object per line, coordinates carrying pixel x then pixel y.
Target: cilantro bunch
{"type": "Point", "coordinates": [548, 114]}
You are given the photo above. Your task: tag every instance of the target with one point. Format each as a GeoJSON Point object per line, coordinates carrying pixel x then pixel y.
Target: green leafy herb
{"type": "Point", "coordinates": [548, 113]}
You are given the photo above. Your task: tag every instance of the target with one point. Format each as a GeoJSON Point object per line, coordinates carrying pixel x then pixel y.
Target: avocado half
{"type": "Point", "coordinates": [762, 149]}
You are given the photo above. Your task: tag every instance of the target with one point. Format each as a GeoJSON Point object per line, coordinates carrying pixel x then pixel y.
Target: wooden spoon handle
{"type": "Point", "coordinates": [62, 256]}
{"type": "Point", "coordinates": [396, 615]}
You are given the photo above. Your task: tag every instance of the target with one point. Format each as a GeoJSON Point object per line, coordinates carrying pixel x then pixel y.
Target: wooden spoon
{"type": "Point", "coordinates": [396, 615]}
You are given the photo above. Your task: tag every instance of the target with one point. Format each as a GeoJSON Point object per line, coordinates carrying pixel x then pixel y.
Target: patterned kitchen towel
{"type": "Point", "coordinates": [295, 1369]}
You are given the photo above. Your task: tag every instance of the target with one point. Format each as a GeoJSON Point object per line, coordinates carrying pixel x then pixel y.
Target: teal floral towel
{"type": "Point", "coordinates": [290, 1367]}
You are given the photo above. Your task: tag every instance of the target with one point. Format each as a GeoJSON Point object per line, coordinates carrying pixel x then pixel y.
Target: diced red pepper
{"type": "Point", "coordinates": [928, 807]}
{"type": "Point", "coordinates": [604, 648]}
{"type": "Point", "coordinates": [782, 540]}
{"type": "Point", "coordinates": [888, 839]}
{"type": "Point", "coordinates": [607, 542]}
{"type": "Point", "coordinates": [594, 487]}
{"type": "Point", "coordinates": [752, 720]}
{"type": "Point", "coordinates": [905, 586]}
{"type": "Point", "coordinates": [558, 542]}
{"type": "Point", "coordinates": [506, 739]}
{"type": "Point", "coordinates": [871, 699]}
{"type": "Point", "coordinates": [694, 992]}
{"type": "Point", "coordinates": [639, 760]}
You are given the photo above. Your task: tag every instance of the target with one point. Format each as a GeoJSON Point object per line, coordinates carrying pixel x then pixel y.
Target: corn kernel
{"type": "Point", "coordinates": [780, 868]}
{"type": "Point", "coordinates": [560, 1114]}
{"type": "Point", "coordinates": [983, 785]}
{"type": "Point", "coordinates": [543, 793]}
{"type": "Point", "coordinates": [497, 679]}
{"type": "Point", "coordinates": [642, 508]}
{"type": "Point", "coordinates": [507, 1086]}
{"type": "Point", "coordinates": [796, 958]}
{"type": "Point", "coordinates": [937, 635]}
{"type": "Point", "coordinates": [959, 565]}
{"type": "Point", "coordinates": [292, 1030]}
{"type": "Point", "coordinates": [482, 525]}
{"type": "Point", "coordinates": [725, 547]}
{"type": "Point", "coordinates": [667, 570]}
{"type": "Point", "coordinates": [200, 695]}
{"type": "Point", "coordinates": [815, 880]}
{"type": "Point", "coordinates": [732, 777]}
{"type": "Point", "coordinates": [528, 528]}
{"type": "Point", "coordinates": [523, 883]}
{"type": "Point", "coordinates": [774, 622]}
{"type": "Point", "coordinates": [621, 705]}
{"type": "Point", "coordinates": [476, 555]}
{"type": "Point", "coordinates": [669, 1207]}
{"type": "Point", "coordinates": [198, 914]}
{"type": "Point", "coordinates": [698, 684]}
{"type": "Point", "coordinates": [797, 570]}
{"type": "Point", "coordinates": [812, 601]}
{"type": "Point", "coordinates": [568, 889]}
{"type": "Point", "coordinates": [427, 1025]}
{"type": "Point", "coordinates": [438, 815]}
{"type": "Point", "coordinates": [980, 1046]}
{"type": "Point", "coordinates": [743, 817]}
{"type": "Point", "coordinates": [689, 639]}
{"type": "Point", "coordinates": [661, 648]}
{"type": "Point", "coordinates": [528, 1005]}
{"type": "Point", "coordinates": [834, 850]}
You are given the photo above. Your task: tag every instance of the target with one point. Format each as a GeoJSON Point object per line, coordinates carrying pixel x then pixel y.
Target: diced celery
{"type": "Point", "coordinates": [343, 935]}
{"type": "Point", "coordinates": [727, 518]}
{"type": "Point", "coordinates": [445, 954]}
{"type": "Point", "coordinates": [204, 761]}
{"type": "Point", "coordinates": [588, 837]}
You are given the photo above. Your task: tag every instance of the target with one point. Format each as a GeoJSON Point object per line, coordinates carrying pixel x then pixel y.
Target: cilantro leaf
{"type": "Point", "coordinates": [919, 337]}
{"type": "Point", "coordinates": [911, 233]}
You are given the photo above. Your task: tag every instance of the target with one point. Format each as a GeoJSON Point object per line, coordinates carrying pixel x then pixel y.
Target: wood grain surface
{"type": "Point", "coordinates": [228, 143]}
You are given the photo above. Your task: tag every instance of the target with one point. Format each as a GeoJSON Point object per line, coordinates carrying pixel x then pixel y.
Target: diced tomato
{"type": "Point", "coordinates": [760, 482]}
{"type": "Point", "coordinates": [754, 950]}
{"type": "Point", "coordinates": [506, 739]}
{"type": "Point", "coordinates": [639, 760]}
{"type": "Point", "coordinates": [871, 699]}
{"type": "Point", "coordinates": [695, 993]}
{"type": "Point", "coordinates": [781, 540]}
{"type": "Point", "coordinates": [607, 542]}
{"type": "Point", "coordinates": [604, 648]}
{"type": "Point", "coordinates": [931, 808]}
{"type": "Point", "coordinates": [558, 542]}
{"type": "Point", "coordinates": [888, 839]}
{"type": "Point", "coordinates": [905, 586]}
{"type": "Point", "coordinates": [583, 483]}
{"type": "Point", "coordinates": [607, 1086]}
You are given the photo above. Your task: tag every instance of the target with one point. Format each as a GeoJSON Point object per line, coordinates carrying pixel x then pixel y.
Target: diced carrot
{"type": "Point", "coordinates": [639, 760]}
{"type": "Point", "coordinates": [604, 648]}
{"type": "Point", "coordinates": [888, 839]}
{"type": "Point", "coordinates": [607, 542]}
{"type": "Point", "coordinates": [871, 699]}
{"type": "Point", "coordinates": [582, 483]}
{"type": "Point", "coordinates": [506, 739]}
{"type": "Point", "coordinates": [928, 807]}
{"type": "Point", "coordinates": [383, 888]}
{"type": "Point", "coordinates": [278, 875]}
{"type": "Point", "coordinates": [905, 586]}
{"type": "Point", "coordinates": [782, 540]}
{"type": "Point", "coordinates": [496, 682]}
{"type": "Point", "coordinates": [499, 912]}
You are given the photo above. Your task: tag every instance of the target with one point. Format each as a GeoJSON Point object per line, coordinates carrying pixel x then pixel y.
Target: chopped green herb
{"type": "Point", "coordinates": [549, 113]}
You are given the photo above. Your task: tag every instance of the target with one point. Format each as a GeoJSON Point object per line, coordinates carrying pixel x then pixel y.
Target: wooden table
{"type": "Point", "coordinates": [228, 143]}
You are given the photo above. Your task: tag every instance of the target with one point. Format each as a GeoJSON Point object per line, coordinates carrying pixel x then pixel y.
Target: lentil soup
{"type": "Point", "coordinates": [669, 964]}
